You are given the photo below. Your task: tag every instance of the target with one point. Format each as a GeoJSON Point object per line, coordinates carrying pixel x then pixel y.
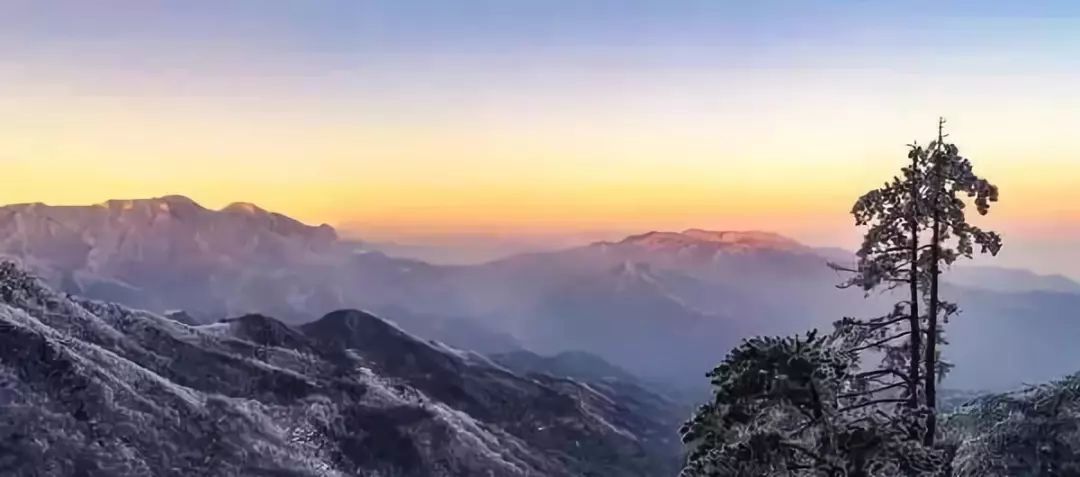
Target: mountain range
{"type": "Point", "coordinates": [666, 306]}
{"type": "Point", "coordinates": [98, 389]}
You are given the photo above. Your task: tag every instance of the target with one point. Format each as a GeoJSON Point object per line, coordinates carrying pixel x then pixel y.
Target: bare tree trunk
{"type": "Point", "coordinates": [932, 338]}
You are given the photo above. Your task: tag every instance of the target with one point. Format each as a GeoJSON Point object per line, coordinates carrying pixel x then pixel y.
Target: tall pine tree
{"type": "Point", "coordinates": [926, 201]}
{"type": "Point", "coordinates": [888, 258]}
{"type": "Point", "coordinates": [950, 178]}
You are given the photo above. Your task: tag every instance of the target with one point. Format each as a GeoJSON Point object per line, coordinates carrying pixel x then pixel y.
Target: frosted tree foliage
{"type": "Point", "coordinates": [917, 227]}
{"type": "Point", "coordinates": [1034, 432]}
{"type": "Point", "coordinates": [797, 406]}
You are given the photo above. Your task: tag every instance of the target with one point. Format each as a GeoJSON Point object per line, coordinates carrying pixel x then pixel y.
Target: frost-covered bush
{"type": "Point", "coordinates": [791, 406]}
{"type": "Point", "coordinates": [1035, 432]}
{"type": "Point", "coordinates": [19, 287]}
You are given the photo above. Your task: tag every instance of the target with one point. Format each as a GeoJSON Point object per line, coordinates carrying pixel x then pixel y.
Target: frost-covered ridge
{"type": "Point", "coordinates": [114, 391]}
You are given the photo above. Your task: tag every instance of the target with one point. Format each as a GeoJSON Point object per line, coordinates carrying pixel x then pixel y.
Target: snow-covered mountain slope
{"type": "Point", "coordinates": [92, 388]}
{"type": "Point", "coordinates": [626, 388]}
{"type": "Point", "coordinates": [707, 242]}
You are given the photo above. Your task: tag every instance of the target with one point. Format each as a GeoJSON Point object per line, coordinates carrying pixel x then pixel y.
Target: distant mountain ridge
{"type": "Point", "coordinates": [119, 249]}
{"type": "Point", "coordinates": [158, 229]}
{"type": "Point", "coordinates": [1010, 280]}
{"type": "Point", "coordinates": [664, 305]}
{"type": "Point", "coordinates": [728, 241]}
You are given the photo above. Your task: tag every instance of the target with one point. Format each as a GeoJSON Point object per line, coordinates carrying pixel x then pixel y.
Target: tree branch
{"type": "Point", "coordinates": [882, 372]}
{"type": "Point", "coordinates": [872, 403]}
{"type": "Point", "coordinates": [872, 391]}
{"type": "Point", "coordinates": [874, 325]}
{"type": "Point", "coordinates": [879, 342]}
{"type": "Point", "coordinates": [841, 268]}
{"type": "Point", "coordinates": [900, 249]}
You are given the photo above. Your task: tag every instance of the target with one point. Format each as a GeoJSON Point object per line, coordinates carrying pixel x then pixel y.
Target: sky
{"type": "Point", "coordinates": [402, 119]}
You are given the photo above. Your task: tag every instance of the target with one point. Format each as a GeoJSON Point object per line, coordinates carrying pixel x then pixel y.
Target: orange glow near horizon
{"type": "Point", "coordinates": [527, 127]}
{"type": "Point", "coordinates": [789, 203]}
{"type": "Point", "coordinates": [533, 177]}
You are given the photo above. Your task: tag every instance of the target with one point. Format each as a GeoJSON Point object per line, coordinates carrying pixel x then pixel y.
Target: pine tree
{"type": "Point", "coordinates": [888, 258]}
{"type": "Point", "coordinates": [927, 199]}
{"type": "Point", "coordinates": [950, 178]}
{"type": "Point", "coordinates": [803, 406]}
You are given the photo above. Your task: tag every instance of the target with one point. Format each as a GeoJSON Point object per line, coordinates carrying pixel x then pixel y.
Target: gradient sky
{"type": "Point", "coordinates": [399, 118]}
